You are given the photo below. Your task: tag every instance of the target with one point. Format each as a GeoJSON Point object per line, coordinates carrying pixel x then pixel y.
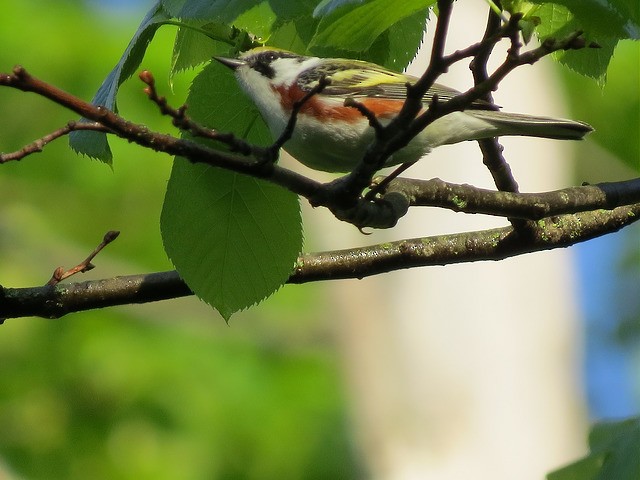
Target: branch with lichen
{"type": "Point", "coordinates": [494, 244]}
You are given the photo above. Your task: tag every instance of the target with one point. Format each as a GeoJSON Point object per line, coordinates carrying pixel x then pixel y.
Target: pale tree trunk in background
{"type": "Point", "coordinates": [466, 371]}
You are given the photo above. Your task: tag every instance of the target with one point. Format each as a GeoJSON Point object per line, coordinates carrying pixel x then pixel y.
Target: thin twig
{"type": "Point", "coordinates": [60, 273]}
{"type": "Point", "coordinates": [490, 147]}
{"type": "Point", "coordinates": [181, 120]}
{"type": "Point", "coordinates": [287, 133]}
{"type": "Point", "coordinates": [374, 123]}
{"type": "Point", "coordinates": [514, 60]}
{"type": "Point", "coordinates": [410, 122]}
{"type": "Point", "coordinates": [346, 190]}
{"type": "Point", "coordinates": [380, 186]}
{"type": "Point", "coordinates": [38, 145]}
{"type": "Point", "coordinates": [195, 152]}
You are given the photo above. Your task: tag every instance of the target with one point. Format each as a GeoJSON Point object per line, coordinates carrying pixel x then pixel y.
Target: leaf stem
{"type": "Point", "coordinates": [496, 9]}
{"type": "Point", "coordinates": [218, 38]}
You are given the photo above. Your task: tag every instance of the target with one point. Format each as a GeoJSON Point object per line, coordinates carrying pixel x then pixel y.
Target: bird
{"type": "Point", "coordinates": [332, 137]}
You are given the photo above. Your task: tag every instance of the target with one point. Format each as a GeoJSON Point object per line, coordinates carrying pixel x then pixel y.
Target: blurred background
{"type": "Point", "coordinates": [319, 381]}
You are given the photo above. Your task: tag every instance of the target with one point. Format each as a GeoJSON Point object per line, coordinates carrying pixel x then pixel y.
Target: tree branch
{"type": "Point", "coordinates": [527, 206]}
{"type": "Point", "coordinates": [494, 244]}
{"type": "Point", "coordinates": [60, 273]}
{"type": "Point", "coordinates": [490, 147]}
{"type": "Point", "coordinates": [38, 145]}
{"type": "Point", "coordinates": [198, 153]}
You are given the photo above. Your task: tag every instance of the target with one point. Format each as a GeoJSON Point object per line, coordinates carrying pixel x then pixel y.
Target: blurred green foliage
{"type": "Point", "coordinates": [614, 111]}
{"type": "Point", "coordinates": [158, 391]}
{"type": "Point", "coordinates": [166, 390]}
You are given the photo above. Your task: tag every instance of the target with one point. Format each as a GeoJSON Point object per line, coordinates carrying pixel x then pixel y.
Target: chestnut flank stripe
{"type": "Point", "coordinates": [382, 108]}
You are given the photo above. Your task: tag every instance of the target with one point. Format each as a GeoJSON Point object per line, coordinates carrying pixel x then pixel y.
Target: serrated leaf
{"type": "Point", "coordinates": [326, 7]}
{"type": "Point", "coordinates": [399, 45]}
{"type": "Point", "coordinates": [295, 25]}
{"type": "Point", "coordinates": [610, 18]}
{"type": "Point", "coordinates": [591, 62]}
{"type": "Point", "coordinates": [95, 144]}
{"type": "Point", "coordinates": [292, 35]}
{"type": "Point", "coordinates": [233, 239]}
{"type": "Point", "coordinates": [258, 20]}
{"type": "Point", "coordinates": [614, 454]}
{"type": "Point", "coordinates": [356, 28]}
{"type": "Point", "coordinates": [196, 43]}
{"type": "Point", "coordinates": [200, 39]}
{"type": "Point", "coordinates": [604, 22]}
{"type": "Point", "coordinates": [557, 21]}
{"type": "Point", "coordinates": [550, 18]}
{"type": "Point", "coordinates": [218, 10]}
{"type": "Point", "coordinates": [287, 10]}
{"type": "Point", "coordinates": [228, 11]}
{"type": "Point", "coordinates": [173, 7]}
{"type": "Point", "coordinates": [393, 49]}
{"type": "Point", "coordinates": [92, 144]}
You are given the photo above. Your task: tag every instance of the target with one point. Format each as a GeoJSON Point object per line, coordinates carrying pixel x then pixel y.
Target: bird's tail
{"type": "Point", "coordinates": [506, 123]}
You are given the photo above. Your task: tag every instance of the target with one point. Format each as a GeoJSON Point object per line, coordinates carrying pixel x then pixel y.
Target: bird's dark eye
{"type": "Point", "coordinates": [263, 66]}
{"type": "Point", "coordinates": [262, 62]}
{"type": "Point", "coordinates": [268, 57]}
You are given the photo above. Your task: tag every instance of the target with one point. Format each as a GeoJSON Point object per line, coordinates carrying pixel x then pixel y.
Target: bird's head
{"type": "Point", "coordinates": [268, 66]}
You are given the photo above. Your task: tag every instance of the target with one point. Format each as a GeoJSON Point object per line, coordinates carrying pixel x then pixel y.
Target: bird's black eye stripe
{"type": "Point", "coordinates": [262, 67]}
{"type": "Point", "coordinates": [263, 60]}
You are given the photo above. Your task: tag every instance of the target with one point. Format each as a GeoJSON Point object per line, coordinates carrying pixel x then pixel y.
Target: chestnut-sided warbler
{"type": "Point", "coordinates": [333, 137]}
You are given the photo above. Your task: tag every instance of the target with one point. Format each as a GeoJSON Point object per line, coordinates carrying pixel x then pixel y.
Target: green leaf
{"type": "Point", "coordinates": [557, 21]}
{"type": "Point", "coordinates": [293, 35]}
{"type": "Point", "coordinates": [257, 20]}
{"type": "Point", "coordinates": [173, 7]}
{"type": "Point", "coordinates": [198, 41]}
{"type": "Point", "coordinates": [232, 238]}
{"type": "Point", "coordinates": [585, 469]}
{"type": "Point", "coordinates": [229, 10]}
{"type": "Point", "coordinates": [614, 454]}
{"type": "Point", "coordinates": [94, 144]}
{"type": "Point", "coordinates": [219, 10]}
{"type": "Point", "coordinates": [355, 28]}
{"type": "Point", "coordinates": [591, 62]}
{"type": "Point", "coordinates": [263, 21]}
{"type": "Point", "coordinates": [295, 25]}
{"type": "Point", "coordinates": [396, 47]}
{"type": "Point", "coordinates": [604, 22]}
{"type": "Point", "coordinates": [610, 18]}
{"type": "Point", "coordinates": [325, 7]}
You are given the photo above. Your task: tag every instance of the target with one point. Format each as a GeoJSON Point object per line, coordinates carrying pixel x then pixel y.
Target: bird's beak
{"type": "Point", "coordinates": [232, 63]}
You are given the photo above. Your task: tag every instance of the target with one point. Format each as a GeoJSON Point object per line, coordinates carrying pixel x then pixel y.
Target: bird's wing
{"type": "Point", "coordinates": [369, 80]}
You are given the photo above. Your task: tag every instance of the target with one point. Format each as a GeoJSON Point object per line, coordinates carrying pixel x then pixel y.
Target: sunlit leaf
{"type": "Point", "coordinates": [94, 144]}
{"type": "Point", "coordinates": [356, 28]}
{"type": "Point", "coordinates": [232, 238]}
